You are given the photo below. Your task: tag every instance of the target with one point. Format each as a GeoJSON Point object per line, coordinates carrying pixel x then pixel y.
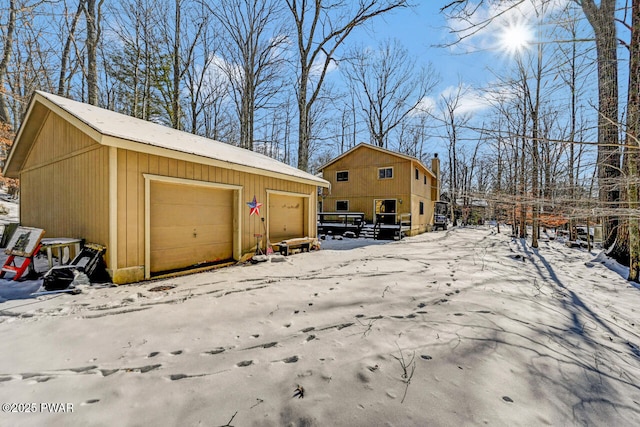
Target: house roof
{"type": "Point", "coordinates": [383, 150]}
{"type": "Point", "coordinates": [118, 130]}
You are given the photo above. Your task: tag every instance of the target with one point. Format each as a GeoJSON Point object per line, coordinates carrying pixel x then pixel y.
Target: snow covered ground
{"type": "Point", "coordinates": [462, 327]}
{"type": "Point", "coordinates": [10, 206]}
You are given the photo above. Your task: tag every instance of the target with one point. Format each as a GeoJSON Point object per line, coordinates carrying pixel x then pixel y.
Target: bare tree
{"type": "Point", "coordinates": [206, 86]}
{"type": "Point", "coordinates": [321, 28]}
{"type": "Point", "coordinates": [571, 72]}
{"type": "Point", "coordinates": [453, 119]}
{"type": "Point", "coordinates": [28, 60]}
{"type": "Point", "coordinates": [601, 17]}
{"type": "Point", "coordinates": [603, 21]}
{"type": "Point", "coordinates": [7, 50]}
{"type": "Point", "coordinates": [133, 64]}
{"type": "Point", "coordinates": [252, 44]}
{"type": "Point", "coordinates": [387, 86]}
{"type": "Point", "coordinates": [92, 14]}
{"type": "Point", "coordinates": [179, 42]}
{"type": "Point", "coordinates": [632, 146]}
{"type": "Point", "coordinates": [66, 50]}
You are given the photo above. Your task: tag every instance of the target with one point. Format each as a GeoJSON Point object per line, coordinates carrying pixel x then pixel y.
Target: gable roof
{"type": "Point", "coordinates": [382, 150]}
{"type": "Point", "coordinates": [118, 130]}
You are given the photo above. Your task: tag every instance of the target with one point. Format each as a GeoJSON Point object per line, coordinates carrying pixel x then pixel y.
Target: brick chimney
{"type": "Point", "coordinates": [435, 168]}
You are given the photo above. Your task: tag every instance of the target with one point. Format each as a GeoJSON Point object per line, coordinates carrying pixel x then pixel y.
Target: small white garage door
{"type": "Point", "coordinates": [286, 217]}
{"type": "Point", "coordinates": [189, 225]}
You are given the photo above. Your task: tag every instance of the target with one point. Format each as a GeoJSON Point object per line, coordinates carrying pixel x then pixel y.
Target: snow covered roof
{"type": "Point", "coordinates": [115, 129]}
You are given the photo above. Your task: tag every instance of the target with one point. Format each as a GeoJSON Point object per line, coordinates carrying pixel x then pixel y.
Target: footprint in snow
{"type": "Point", "coordinates": [214, 351]}
{"type": "Point", "coordinates": [176, 377]}
{"type": "Point", "coordinates": [144, 369]}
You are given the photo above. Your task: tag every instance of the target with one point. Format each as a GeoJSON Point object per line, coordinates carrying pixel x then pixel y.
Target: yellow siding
{"type": "Point", "coordinates": [74, 202]}
{"type": "Point", "coordinates": [132, 166]}
{"type": "Point", "coordinates": [57, 139]}
{"type": "Point", "coordinates": [364, 185]}
{"type": "Point", "coordinates": [421, 192]}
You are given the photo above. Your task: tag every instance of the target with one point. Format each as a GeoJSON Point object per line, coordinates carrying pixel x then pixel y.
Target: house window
{"type": "Point", "coordinates": [342, 205]}
{"type": "Point", "coordinates": [421, 208]}
{"type": "Point", "coordinates": [342, 176]}
{"type": "Point", "coordinates": [385, 173]}
{"type": "Point", "coordinates": [425, 180]}
{"type": "Point", "coordinates": [417, 174]}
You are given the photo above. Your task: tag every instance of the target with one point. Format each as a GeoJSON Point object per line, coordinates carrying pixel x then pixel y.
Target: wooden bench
{"type": "Point", "coordinates": [286, 246]}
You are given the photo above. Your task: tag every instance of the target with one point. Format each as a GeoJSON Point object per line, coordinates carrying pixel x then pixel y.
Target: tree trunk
{"type": "Point", "coordinates": [303, 114]}
{"type": "Point", "coordinates": [633, 145]}
{"type": "Point", "coordinates": [602, 19]}
{"type": "Point", "coordinates": [92, 49]}
{"type": "Point", "coordinates": [4, 62]}
{"type": "Point", "coordinates": [67, 48]}
{"type": "Point", "coordinates": [175, 93]}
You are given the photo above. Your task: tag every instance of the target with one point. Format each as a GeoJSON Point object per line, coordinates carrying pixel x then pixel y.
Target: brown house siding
{"type": "Point", "coordinates": [61, 154]}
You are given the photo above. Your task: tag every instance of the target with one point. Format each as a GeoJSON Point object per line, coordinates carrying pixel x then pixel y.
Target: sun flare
{"type": "Point", "coordinates": [515, 37]}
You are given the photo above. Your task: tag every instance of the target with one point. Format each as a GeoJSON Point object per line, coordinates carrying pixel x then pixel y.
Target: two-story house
{"type": "Point", "coordinates": [386, 186]}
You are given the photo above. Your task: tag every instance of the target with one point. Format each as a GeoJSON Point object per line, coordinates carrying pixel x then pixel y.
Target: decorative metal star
{"type": "Point", "coordinates": [255, 207]}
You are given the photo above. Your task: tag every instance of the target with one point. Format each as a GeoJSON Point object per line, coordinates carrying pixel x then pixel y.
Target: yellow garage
{"type": "Point", "coordinates": [158, 198]}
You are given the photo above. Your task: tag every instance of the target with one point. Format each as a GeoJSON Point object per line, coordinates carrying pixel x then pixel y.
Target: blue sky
{"type": "Point", "coordinates": [477, 62]}
{"type": "Point", "coordinates": [424, 31]}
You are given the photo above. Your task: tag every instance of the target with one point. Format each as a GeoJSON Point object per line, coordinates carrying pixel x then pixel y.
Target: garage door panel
{"type": "Point", "coordinates": [182, 235]}
{"type": "Point", "coordinates": [286, 217]}
{"type": "Point", "coordinates": [177, 211]}
{"type": "Point", "coordinates": [167, 193]}
{"type": "Point", "coordinates": [172, 259]}
{"type": "Point", "coordinates": [168, 215]}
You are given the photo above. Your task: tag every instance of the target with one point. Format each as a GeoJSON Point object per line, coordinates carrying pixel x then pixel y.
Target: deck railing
{"type": "Point", "coordinates": [405, 220]}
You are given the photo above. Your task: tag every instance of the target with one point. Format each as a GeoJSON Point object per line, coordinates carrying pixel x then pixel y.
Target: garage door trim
{"type": "Point", "coordinates": [237, 209]}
